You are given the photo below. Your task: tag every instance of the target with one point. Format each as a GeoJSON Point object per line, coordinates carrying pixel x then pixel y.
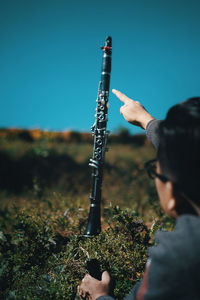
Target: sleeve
{"type": "Point", "coordinates": [106, 297]}
{"type": "Point", "coordinates": [133, 292]}
{"type": "Point", "coordinates": [130, 296]}
{"type": "Point", "coordinates": [151, 132]}
{"type": "Point", "coordinates": [156, 281]}
{"type": "Point", "coordinates": [168, 275]}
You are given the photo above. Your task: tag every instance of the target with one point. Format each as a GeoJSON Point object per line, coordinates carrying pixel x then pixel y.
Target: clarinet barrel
{"type": "Point", "coordinates": [100, 139]}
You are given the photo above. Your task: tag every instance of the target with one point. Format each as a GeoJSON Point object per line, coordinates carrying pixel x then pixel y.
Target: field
{"type": "Point", "coordinates": [45, 184]}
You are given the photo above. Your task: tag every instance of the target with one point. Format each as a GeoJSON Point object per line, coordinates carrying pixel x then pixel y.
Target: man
{"type": "Point", "coordinates": [173, 268]}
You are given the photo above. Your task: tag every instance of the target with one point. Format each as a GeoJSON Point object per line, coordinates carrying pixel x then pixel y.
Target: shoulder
{"type": "Point", "coordinates": [175, 260]}
{"type": "Point", "coordinates": [173, 246]}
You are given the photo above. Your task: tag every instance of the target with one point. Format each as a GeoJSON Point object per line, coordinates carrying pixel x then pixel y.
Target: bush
{"type": "Point", "coordinates": [45, 257]}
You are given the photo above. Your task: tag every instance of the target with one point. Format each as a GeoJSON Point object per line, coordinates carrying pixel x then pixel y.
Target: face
{"type": "Point", "coordinates": [165, 194]}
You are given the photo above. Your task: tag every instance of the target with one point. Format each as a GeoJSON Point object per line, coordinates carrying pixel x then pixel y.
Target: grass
{"type": "Point", "coordinates": [44, 190]}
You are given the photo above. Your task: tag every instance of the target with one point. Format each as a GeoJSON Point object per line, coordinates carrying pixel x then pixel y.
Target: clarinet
{"type": "Point", "coordinates": [100, 140]}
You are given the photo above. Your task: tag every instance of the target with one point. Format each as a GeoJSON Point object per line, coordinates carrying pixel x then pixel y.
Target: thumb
{"type": "Point", "coordinates": [105, 277]}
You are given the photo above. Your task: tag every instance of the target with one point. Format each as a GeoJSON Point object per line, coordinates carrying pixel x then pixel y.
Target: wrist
{"type": "Point", "coordinates": [97, 296]}
{"type": "Point", "coordinates": [146, 120]}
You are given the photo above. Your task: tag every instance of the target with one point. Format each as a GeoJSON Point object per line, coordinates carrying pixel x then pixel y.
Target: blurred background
{"type": "Point", "coordinates": [51, 59]}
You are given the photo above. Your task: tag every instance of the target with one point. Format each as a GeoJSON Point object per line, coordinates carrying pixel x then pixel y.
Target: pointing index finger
{"type": "Point", "coordinates": [121, 96]}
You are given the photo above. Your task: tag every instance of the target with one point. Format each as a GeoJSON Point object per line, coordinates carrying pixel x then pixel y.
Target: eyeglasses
{"type": "Point", "coordinates": [150, 167]}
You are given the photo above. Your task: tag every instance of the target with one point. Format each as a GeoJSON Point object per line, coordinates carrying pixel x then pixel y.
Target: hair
{"type": "Point", "coordinates": [179, 147]}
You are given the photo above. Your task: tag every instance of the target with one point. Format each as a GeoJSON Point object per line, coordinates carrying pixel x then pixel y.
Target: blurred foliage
{"type": "Point", "coordinates": [44, 190]}
{"type": "Point", "coordinates": [50, 164]}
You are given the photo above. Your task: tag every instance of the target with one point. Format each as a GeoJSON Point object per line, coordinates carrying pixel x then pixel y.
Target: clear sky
{"type": "Point", "coordinates": [50, 58]}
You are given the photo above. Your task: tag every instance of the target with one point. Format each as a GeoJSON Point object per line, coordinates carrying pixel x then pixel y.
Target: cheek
{"type": "Point", "coordinates": [158, 186]}
{"type": "Point", "coordinates": [161, 194]}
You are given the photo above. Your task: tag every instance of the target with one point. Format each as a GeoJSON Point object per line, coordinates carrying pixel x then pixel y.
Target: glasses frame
{"type": "Point", "coordinates": [151, 171]}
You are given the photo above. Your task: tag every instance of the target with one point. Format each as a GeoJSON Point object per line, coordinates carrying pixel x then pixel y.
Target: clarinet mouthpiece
{"type": "Point", "coordinates": [109, 41]}
{"type": "Point", "coordinates": [108, 44]}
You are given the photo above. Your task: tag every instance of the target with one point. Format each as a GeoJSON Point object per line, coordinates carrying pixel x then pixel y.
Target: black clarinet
{"type": "Point", "coordinates": [100, 140]}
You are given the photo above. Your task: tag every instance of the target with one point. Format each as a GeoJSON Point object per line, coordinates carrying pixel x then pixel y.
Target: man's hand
{"type": "Point", "coordinates": [133, 111]}
{"type": "Point", "coordinates": [92, 288]}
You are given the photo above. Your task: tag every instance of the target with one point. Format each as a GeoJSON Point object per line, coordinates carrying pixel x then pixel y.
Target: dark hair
{"type": "Point", "coordinates": [179, 147]}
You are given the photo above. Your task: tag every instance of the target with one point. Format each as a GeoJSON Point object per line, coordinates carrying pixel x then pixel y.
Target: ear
{"type": "Point", "coordinates": [171, 204]}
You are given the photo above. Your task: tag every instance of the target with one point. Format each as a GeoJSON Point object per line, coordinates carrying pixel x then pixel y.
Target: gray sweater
{"type": "Point", "coordinates": [173, 269]}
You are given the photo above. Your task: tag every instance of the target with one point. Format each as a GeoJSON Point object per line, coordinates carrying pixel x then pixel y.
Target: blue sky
{"type": "Point", "coordinates": [51, 59]}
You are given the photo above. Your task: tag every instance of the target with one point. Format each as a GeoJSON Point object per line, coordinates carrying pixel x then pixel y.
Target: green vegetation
{"type": "Point", "coordinates": [44, 189]}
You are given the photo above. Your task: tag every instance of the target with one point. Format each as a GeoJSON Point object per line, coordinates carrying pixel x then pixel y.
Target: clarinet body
{"type": "Point", "coordinates": [100, 140]}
